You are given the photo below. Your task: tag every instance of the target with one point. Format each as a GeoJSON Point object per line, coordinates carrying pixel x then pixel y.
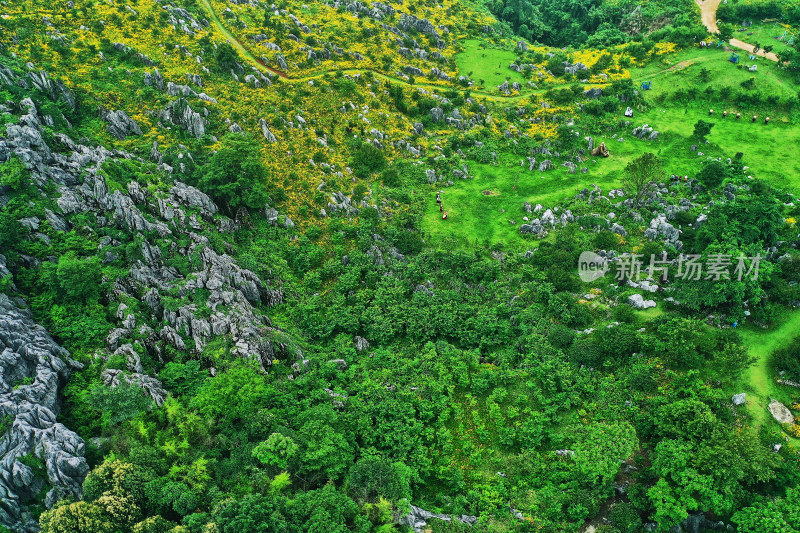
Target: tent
{"type": "Point", "coordinates": [734, 58]}
{"type": "Point", "coordinates": [646, 85]}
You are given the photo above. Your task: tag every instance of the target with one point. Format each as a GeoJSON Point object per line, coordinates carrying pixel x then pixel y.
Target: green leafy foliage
{"type": "Point", "coordinates": [235, 175]}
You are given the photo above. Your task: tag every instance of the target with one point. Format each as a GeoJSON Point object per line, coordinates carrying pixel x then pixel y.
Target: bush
{"type": "Point", "coordinates": [702, 128]}
{"type": "Point", "coordinates": [788, 360]}
{"type": "Point", "coordinates": [235, 175]}
{"type": "Point", "coordinates": [366, 160]}
{"type": "Point", "coordinates": [561, 336]}
{"type": "Point", "coordinates": [713, 174]}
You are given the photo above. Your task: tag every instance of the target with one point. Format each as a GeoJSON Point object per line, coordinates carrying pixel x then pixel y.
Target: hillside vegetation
{"type": "Point", "coordinates": [306, 267]}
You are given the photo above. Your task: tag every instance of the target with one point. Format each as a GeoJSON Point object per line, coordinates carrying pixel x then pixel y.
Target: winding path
{"type": "Point", "coordinates": [708, 11]}
{"type": "Point", "coordinates": [239, 46]}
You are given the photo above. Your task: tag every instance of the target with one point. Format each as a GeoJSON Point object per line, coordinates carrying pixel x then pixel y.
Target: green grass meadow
{"type": "Point", "coordinates": [765, 34]}
{"type": "Point", "coordinates": [758, 381]}
{"type": "Point", "coordinates": [475, 207]}
{"type": "Point", "coordinates": [683, 71]}
{"type": "Point", "coordinates": [489, 64]}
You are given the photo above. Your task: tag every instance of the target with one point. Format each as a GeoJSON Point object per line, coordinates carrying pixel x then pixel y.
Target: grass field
{"type": "Point", "coordinates": [769, 150]}
{"type": "Point", "coordinates": [475, 207]}
{"type": "Point", "coordinates": [765, 34]}
{"type": "Point", "coordinates": [683, 71]}
{"type": "Point", "coordinates": [758, 381]}
{"type": "Point", "coordinates": [489, 65]}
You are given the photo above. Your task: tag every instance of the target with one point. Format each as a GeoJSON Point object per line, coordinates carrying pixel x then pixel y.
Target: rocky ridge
{"type": "Point", "coordinates": [32, 368]}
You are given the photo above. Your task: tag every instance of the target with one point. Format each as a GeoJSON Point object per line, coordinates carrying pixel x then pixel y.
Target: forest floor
{"type": "Point", "coordinates": [759, 380]}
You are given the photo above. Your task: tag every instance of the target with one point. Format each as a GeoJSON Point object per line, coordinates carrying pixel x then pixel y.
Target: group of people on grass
{"type": "Point", "coordinates": [738, 116]}
{"type": "Point", "coordinates": [441, 206]}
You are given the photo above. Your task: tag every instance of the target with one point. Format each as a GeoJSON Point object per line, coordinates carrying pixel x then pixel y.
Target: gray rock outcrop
{"type": "Point", "coordinates": [637, 302]}
{"type": "Point", "coordinates": [120, 125]}
{"type": "Point", "coordinates": [268, 135]}
{"type": "Point", "coordinates": [32, 368]}
{"type": "Point", "coordinates": [418, 518]}
{"type": "Point", "coordinates": [180, 113]}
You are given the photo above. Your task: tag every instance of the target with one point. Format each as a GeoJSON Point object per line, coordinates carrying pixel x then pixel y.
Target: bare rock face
{"type": "Point", "coordinates": [417, 519]}
{"type": "Point", "coordinates": [268, 135]}
{"type": "Point", "coordinates": [180, 113]}
{"type": "Point", "coordinates": [120, 125]}
{"type": "Point", "coordinates": [32, 368]}
{"type": "Point", "coordinates": [151, 385]}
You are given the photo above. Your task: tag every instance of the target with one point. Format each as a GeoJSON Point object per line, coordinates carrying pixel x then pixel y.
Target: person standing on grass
{"type": "Point", "coordinates": [444, 216]}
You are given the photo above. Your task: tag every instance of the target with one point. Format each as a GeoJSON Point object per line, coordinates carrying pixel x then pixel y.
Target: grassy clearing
{"type": "Point", "coordinates": [766, 34]}
{"type": "Point", "coordinates": [683, 71]}
{"type": "Point", "coordinates": [769, 150]}
{"type": "Point", "coordinates": [474, 216]}
{"type": "Point", "coordinates": [758, 381]}
{"type": "Point", "coordinates": [489, 65]}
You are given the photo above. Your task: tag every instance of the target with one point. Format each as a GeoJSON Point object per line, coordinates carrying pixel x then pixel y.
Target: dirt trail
{"type": "Point", "coordinates": [749, 47]}
{"type": "Point", "coordinates": [708, 11]}
{"type": "Point", "coordinates": [239, 46]}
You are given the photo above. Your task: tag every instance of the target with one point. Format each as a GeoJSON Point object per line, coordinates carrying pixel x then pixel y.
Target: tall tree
{"type": "Point", "coordinates": [235, 175]}
{"type": "Point", "coordinates": [641, 174]}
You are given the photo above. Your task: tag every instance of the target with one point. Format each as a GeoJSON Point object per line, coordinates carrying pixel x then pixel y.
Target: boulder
{"type": "Point", "coordinates": [738, 399]}
{"type": "Point", "coordinates": [600, 150]}
{"type": "Point", "coordinates": [780, 412]}
{"type": "Point", "coordinates": [361, 344]}
{"type": "Point", "coordinates": [268, 135]}
{"type": "Point", "coordinates": [637, 302]}
{"type": "Point", "coordinates": [417, 519]}
{"type": "Point", "coordinates": [594, 93]}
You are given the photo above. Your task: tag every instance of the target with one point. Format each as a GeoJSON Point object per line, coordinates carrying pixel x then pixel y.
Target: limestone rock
{"type": "Point", "coordinates": [120, 125]}
{"type": "Point", "coordinates": [637, 302]}
{"type": "Point", "coordinates": [28, 352]}
{"type": "Point", "coordinates": [268, 135]}
{"type": "Point", "coordinates": [780, 412]}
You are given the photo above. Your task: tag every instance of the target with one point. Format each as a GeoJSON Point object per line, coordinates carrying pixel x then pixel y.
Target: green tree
{"type": "Point", "coordinates": [374, 477]}
{"type": "Point", "coordinates": [277, 451]}
{"type": "Point", "coordinates": [367, 159]}
{"type": "Point", "coordinates": [725, 31]}
{"type": "Point", "coordinates": [226, 57]}
{"type": "Point", "coordinates": [702, 128]}
{"type": "Point", "coordinates": [77, 517]}
{"type": "Point", "coordinates": [79, 277]}
{"type": "Point", "coordinates": [713, 173]}
{"type": "Point", "coordinates": [13, 174]}
{"type": "Point", "coordinates": [641, 174]}
{"type": "Point", "coordinates": [768, 515]}
{"type": "Point", "coordinates": [120, 403]}
{"type": "Point", "coordinates": [236, 175]}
